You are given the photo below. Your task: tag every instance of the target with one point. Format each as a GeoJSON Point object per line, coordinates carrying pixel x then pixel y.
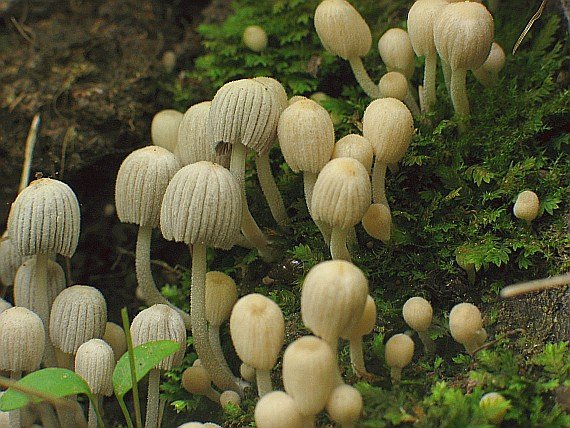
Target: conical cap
{"type": "Point", "coordinates": [22, 340]}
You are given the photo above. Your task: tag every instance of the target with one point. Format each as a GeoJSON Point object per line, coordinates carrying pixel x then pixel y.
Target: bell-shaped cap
{"type": "Point", "coordinates": [526, 206]}
{"type": "Point", "coordinates": [95, 362]}
{"type": "Point", "coordinates": [399, 351]}
{"type": "Point", "coordinates": [342, 193]}
{"type": "Point", "coordinates": [463, 34]}
{"type": "Point", "coordinates": [396, 51]}
{"type": "Point", "coordinates": [306, 136]}
{"type": "Point", "coordinates": [78, 314]}
{"type": "Point", "coordinates": [243, 112]}
{"type": "Point", "coordinates": [277, 409]}
{"type": "Point", "coordinates": [343, 32]}
{"type": "Point", "coordinates": [417, 313]}
{"type": "Point", "coordinates": [465, 323]}
{"type": "Point", "coordinates": [389, 126]}
{"type": "Point", "coordinates": [141, 183]}
{"type": "Point", "coordinates": [22, 340]}
{"type": "Point", "coordinates": [345, 405]}
{"type": "Point", "coordinates": [25, 288]}
{"type": "Point", "coordinates": [393, 85]}
{"type": "Point", "coordinates": [276, 89]}
{"type": "Point", "coordinates": [366, 322]}
{"type": "Point", "coordinates": [421, 18]}
{"type": "Point", "coordinates": [115, 336]}
{"type": "Point", "coordinates": [164, 128]}
{"type": "Point", "coordinates": [202, 205]}
{"type": "Point", "coordinates": [255, 38]}
{"type": "Point", "coordinates": [333, 298]}
{"type": "Point", "coordinates": [194, 142]}
{"type": "Point", "coordinates": [357, 147]}
{"type": "Point", "coordinates": [377, 222]}
{"type": "Point", "coordinates": [257, 328]}
{"type": "Point", "coordinates": [45, 219]}
{"type": "Point", "coordinates": [221, 296]}
{"type": "Point", "coordinates": [160, 322]}
{"type": "Point", "coordinates": [10, 261]}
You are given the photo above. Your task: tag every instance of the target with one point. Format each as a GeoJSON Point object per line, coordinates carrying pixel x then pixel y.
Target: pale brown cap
{"type": "Point", "coordinates": [229, 397]}
{"type": "Point", "coordinates": [247, 372]}
{"type": "Point", "coordinates": [366, 323]}
{"type": "Point", "coordinates": [115, 336]}
{"type": "Point", "coordinates": [160, 322]}
{"type": "Point", "coordinates": [496, 59]}
{"type": "Point", "coordinates": [164, 128]}
{"type": "Point", "coordinates": [377, 222]}
{"type": "Point", "coordinates": [527, 205]}
{"type": "Point", "coordinates": [393, 85]}
{"type": "Point", "coordinates": [221, 296]}
{"type": "Point", "coordinates": [25, 286]}
{"type": "Point", "coordinates": [141, 183]}
{"type": "Point", "coordinates": [357, 147]}
{"type": "Point", "coordinates": [277, 409]}
{"type": "Point", "coordinates": [255, 38]}
{"type": "Point", "coordinates": [399, 351]}
{"type": "Point", "coordinates": [45, 219]}
{"type": "Point", "coordinates": [465, 323]}
{"type": "Point", "coordinates": [22, 340]}
{"type": "Point", "coordinates": [343, 32]}
{"type": "Point", "coordinates": [95, 362]}
{"type": "Point", "coordinates": [396, 51]}
{"type": "Point", "coordinates": [196, 380]}
{"type": "Point", "coordinates": [417, 313]}
{"type": "Point", "coordinates": [421, 18]}
{"type": "Point", "coordinates": [202, 205]}
{"type": "Point", "coordinates": [345, 405]}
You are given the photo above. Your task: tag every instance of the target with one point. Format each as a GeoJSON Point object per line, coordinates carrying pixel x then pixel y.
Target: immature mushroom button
{"type": "Point", "coordinates": [526, 206]}
{"type": "Point", "coordinates": [418, 313]}
{"type": "Point", "coordinates": [495, 406]}
{"type": "Point", "coordinates": [393, 85]}
{"type": "Point", "coordinates": [115, 336]}
{"type": "Point", "coordinates": [354, 335]}
{"type": "Point", "coordinates": [377, 222]}
{"type": "Point", "coordinates": [196, 380]}
{"type": "Point", "coordinates": [277, 410]}
{"type": "Point", "coordinates": [228, 398]}
{"type": "Point", "coordinates": [398, 353]}
{"type": "Point", "coordinates": [10, 261]}
{"type": "Point", "coordinates": [164, 129]}
{"type": "Point", "coordinates": [255, 38]}
{"type": "Point", "coordinates": [345, 405]}
{"type": "Point", "coordinates": [466, 326]}
{"type": "Point", "coordinates": [488, 73]}
{"type": "Point", "coordinates": [357, 147]}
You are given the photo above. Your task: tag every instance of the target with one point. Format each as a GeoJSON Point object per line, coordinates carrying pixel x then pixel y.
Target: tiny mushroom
{"type": "Point", "coordinates": [495, 406]}
{"type": "Point", "coordinates": [527, 206]}
{"type": "Point", "coordinates": [230, 398]}
{"type": "Point", "coordinates": [466, 326]}
{"type": "Point", "coordinates": [277, 410]}
{"type": "Point", "coordinates": [345, 405]}
{"type": "Point", "coordinates": [488, 73]}
{"type": "Point", "coordinates": [398, 353]}
{"type": "Point", "coordinates": [393, 85]}
{"type": "Point", "coordinates": [164, 129]}
{"type": "Point", "coordinates": [115, 336]}
{"type": "Point", "coordinates": [377, 222]}
{"type": "Point", "coordinates": [357, 147]}
{"type": "Point", "coordinates": [196, 380]}
{"type": "Point", "coordinates": [418, 313]}
{"type": "Point", "coordinates": [255, 38]}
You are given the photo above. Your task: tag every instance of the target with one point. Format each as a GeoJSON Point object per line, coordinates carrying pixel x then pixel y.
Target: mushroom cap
{"type": "Point", "coordinates": [333, 298]}
{"type": "Point", "coordinates": [202, 205]}
{"type": "Point", "coordinates": [243, 112]}
{"type": "Point", "coordinates": [343, 32]}
{"type": "Point", "coordinates": [345, 405]}
{"type": "Point", "coordinates": [160, 322]}
{"type": "Point", "coordinates": [465, 323]}
{"type": "Point", "coordinates": [489, 403]}
{"type": "Point", "coordinates": [196, 380]}
{"type": "Point", "coordinates": [115, 336]}
{"type": "Point", "coordinates": [78, 314]}
{"type": "Point", "coordinates": [396, 51]}
{"type": "Point", "coordinates": [496, 59]}
{"type": "Point", "coordinates": [45, 219]}
{"type": "Point", "coordinates": [389, 126]}
{"type": "Point", "coordinates": [306, 136]}
{"type": "Point", "coordinates": [276, 88]}
{"type": "Point", "coordinates": [357, 147]}
{"type": "Point", "coordinates": [22, 340]}
{"type": "Point", "coordinates": [229, 397]}
{"type": "Point", "coordinates": [393, 85]}
{"type": "Point", "coordinates": [527, 205]}
{"type": "Point", "coordinates": [164, 129]}
{"type": "Point", "coordinates": [417, 313]}
{"type": "Point", "coordinates": [141, 183]}
{"type": "Point", "coordinates": [342, 193]}
{"type": "Point", "coordinates": [25, 286]}
{"type": "Point", "coordinates": [257, 328]}
{"type": "Point", "coordinates": [463, 34]}
{"type": "Point", "coordinates": [421, 18]}
{"type": "Point", "coordinates": [277, 409]}
{"type": "Point", "coordinates": [221, 296]}
{"type": "Point", "coordinates": [399, 351]}
{"type": "Point", "coordinates": [366, 323]}
{"type": "Point", "coordinates": [194, 143]}
{"type": "Point", "coordinates": [255, 38]}
{"type": "Point", "coordinates": [309, 373]}
{"type": "Point", "coordinates": [10, 260]}
{"type": "Point", "coordinates": [377, 222]}
{"type": "Point", "coordinates": [95, 362]}
{"type": "Point", "coordinates": [247, 372]}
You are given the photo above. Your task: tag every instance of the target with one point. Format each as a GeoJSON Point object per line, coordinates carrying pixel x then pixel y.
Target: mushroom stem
{"type": "Point", "coordinates": [379, 182]}
{"type": "Point", "coordinates": [446, 68]}
{"type": "Point", "coordinates": [429, 344]}
{"type": "Point", "coordinates": [338, 244]}
{"type": "Point", "coordinates": [459, 93]}
{"type": "Point", "coordinates": [309, 180]}
{"type": "Point", "coordinates": [214, 337]}
{"type": "Point", "coordinates": [395, 375]}
{"type": "Point", "coordinates": [430, 70]}
{"type": "Point", "coordinates": [363, 79]}
{"type": "Point", "coordinates": [151, 420]}
{"type": "Point", "coordinates": [41, 305]}
{"type": "Point", "coordinates": [144, 274]}
{"type": "Point", "coordinates": [92, 418]}
{"type": "Point", "coordinates": [536, 285]}
{"type": "Point", "coordinates": [411, 103]}
{"type": "Point", "coordinates": [357, 356]}
{"type": "Point", "coordinates": [221, 376]}
{"type": "Point", "coordinates": [14, 415]}
{"type": "Point", "coordinates": [263, 380]}
{"type": "Point", "coordinates": [269, 188]}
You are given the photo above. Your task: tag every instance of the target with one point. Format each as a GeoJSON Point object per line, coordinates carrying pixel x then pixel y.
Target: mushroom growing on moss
{"type": "Point", "coordinates": [345, 405]}
{"type": "Point", "coordinates": [526, 206]}
{"type": "Point", "coordinates": [466, 326]}
{"type": "Point", "coordinates": [495, 406]}
{"type": "Point", "coordinates": [277, 410]}
{"type": "Point", "coordinates": [196, 380]}
{"type": "Point", "coordinates": [377, 222]}
{"type": "Point", "coordinates": [418, 313]}
{"type": "Point", "coordinates": [398, 352]}
{"type": "Point", "coordinates": [255, 38]}
{"type": "Point", "coordinates": [354, 336]}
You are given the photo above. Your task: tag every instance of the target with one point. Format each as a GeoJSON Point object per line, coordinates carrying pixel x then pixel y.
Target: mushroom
{"type": "Point", "coordinates": [159, 322]}
{"type": "Point", "coordinates": [257, 328]}
{"type": "Point", "coordinates": [341, 196]}
{"type": "Point", "coordinates": [357, 147]}
{"type": "Point", "coordinates": [230, 398]}
{"type": "Point", "coordinates": [495, 406]}
{"type": "Point", "coordinates": [527, 206]}
{"type": "Point", "coordinates": [343, 32]}
{"type": "Point", "coordinates": [277, 409]}
{"type": "Point", "coordinates": [393, 85]}
{"type": "Point", "coordinates": [345, 405]}
{"type": "Point", "coordinates": [462, 260]}
{"type": "Point", "coordinates": [4, 305]}
{"type": "Point", "coordinates": [164, 129]}
{"type": "Point", "coordinates": [10, 260]}
{"type": "Point", "coordinates": [354, 336]}
{"type": "Point", "coordinates": [417, 313]}
{"type": "Point", "coordinates": [466, 326]}
{"type": "Point", "coordinates": [488, 73]}
{"type": "Point", "coordinates": [377, 222]}
{"type": "Point", "coordinates": [115, 336]}
{"type": "Point", "coordinates": [202, 206]}
{"type": "Point", "coordinates": [196, 380]}
{"type": "Point", "coordinates": [247, 372]}
{"type": "Point", "coordinates": [398, 352]}
{"type": "Point", "coordinates": [255, 38]}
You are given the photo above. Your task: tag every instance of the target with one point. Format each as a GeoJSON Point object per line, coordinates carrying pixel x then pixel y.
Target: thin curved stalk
{"type": "Point", "coordinates": [535, 285]}
{"type": "Point", "coordinates": [430, 71]}
{"type": "Point", "coordinates": [144, 275]}
{"type": "Point", "coordinates": [379, 183]}
{"type": "Point", "coordinates": [429, 344]}
{"type": "Point", "coordinates": [368, 86]}
{"type": "Point", "coordinates": [339, 251]}
{"type": "Point", "coordinates": [29, 152]}
{"type": "Point", "coordinates": [215, 344]}
{"type": "Point", "coordinates": [151, 420]}
{"type": "Point", "coordinates": [459, 96]}
{"type": "Point", "coordinates": [263, 380]}
{"type": "Point", "coordinates": [270, 190]}
{"type": "Point", "coordinates": [357, 356]}
{"type": "Point", "coordinates": [92, 418]}
{"type": "Point", "coordinates": [309, 180]}
{"type": "Point", "coordinates": [411, 103]}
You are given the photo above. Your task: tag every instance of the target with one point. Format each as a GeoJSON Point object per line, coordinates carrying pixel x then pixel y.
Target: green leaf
{"type": "Point", "coordinates": [147, 356]}
{"type": "Point", "coordinates": [55, 382]}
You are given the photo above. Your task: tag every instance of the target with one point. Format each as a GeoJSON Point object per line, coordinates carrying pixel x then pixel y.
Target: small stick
{"type": "Point", "coordinates": [529, 25]}
{"type": "Point", "coordinates": [497, 340]}
{"type": "Point", "coordinates": [536, 285]}
{"type": "Point", "coordinates": [29, 151]}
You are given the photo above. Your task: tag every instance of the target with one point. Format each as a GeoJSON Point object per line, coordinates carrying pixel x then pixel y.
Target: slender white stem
{"type": "Point", "coordinates": [430, 70]}
{"type": "Point", "coordinates": [151, 420]}
{"type": "Point", "coordinates": [363, 79]}
{"type": "Point", "coordinates": [309, 180]}
{"type": "Point", "coordinates": [446, 74]}
{"type": "Point", "coordinates": [339, 251]}
{"type": "Point", "coordinates": [92, 418]}
{"type": "Point", "coordinates": [429, 344]}
{"type": "Point", "coordinates": [215, 344]}
{"type": "Point", "coordinates": [270, 190]}
{"type": "Point", "coordinates": [29, 152]}
{"type": "Point", "coordinates": [411, 103]}
{"type": "Point", "coordinates": [263, 380]}
{"type": "Point", "coordinates": [41, 306]}
{"type": "Point", "coordinates": [395, 375]}
{"type": "Point", "coordinates": [459, 93]}
{"type": "Point", "coordinates": [357, 355]}
{"type": "Point", "coordinates": [379, 182]}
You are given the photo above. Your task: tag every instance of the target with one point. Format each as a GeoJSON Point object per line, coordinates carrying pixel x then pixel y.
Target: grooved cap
{"type": "Point", "coordinates": [25, 286]}
{"type": "Point", "coordinates": [276, 88]}
{"type": "Point", "coordinates": [417, 313]}
{"type": "Point", "coordinates": [164, 129]}
{"type": "Point", "coordinates": [45, 218]}
{"type": "Point", "coordinates": [202, 205]}
{"type": "Point", "coordinates": [22, 340]}
{"type": "Point", "coordinates": [10, 260]}
{"type": "Point", "coordinates": [399, 351]}
{"type": "Point", "coordinates": [276, 409]}
{"type": "Point", "coordinates": [421, 17]}
{"type": "Point", "coordinates": [357, 147]}
{"type": "Point", "coordinates": [95, 362]}
{"type": "Point", "coordinates": [343, 32]}
{"type": "Point", "coordinates": [526, 206]}
{"type": "Point", "coordinates": [377, 222]}
{"type": "Point", "coordinates": [221, 295]}
{"type": "Point", "coordinates": [396, 51]}
{"type": "Point", "coordinates": [141, 183]}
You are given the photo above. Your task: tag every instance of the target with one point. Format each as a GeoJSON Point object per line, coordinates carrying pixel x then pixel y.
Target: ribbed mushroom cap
{"type": "Point", "coordinates": [277, 410]}
{"type": "Point", "coordinates": [95, 362]}
{"type": "Point", "coordinates": [194, 143]}
{"type": "Point", "coordinates": [343, 32]}
{"type": "Point", "coordinates": [393, 85]}
{"type": "Point", "coordinates": [399, 351]}
{"type": "Point", "coordinates": [496, 59]}
{"type": "Point", "coordinates": [357, 147]}
{"type": "Point", "coordinates": [78, 314]}
{"type": "Point", "coordinates": [160, 322]}
{"type": "Point", "coordinates": [255, 38]}
{"type": "Point", "coordinates": [202, 205]}
{"type": "Point", "coordinates": [417, 313]}
{"type": "Point", "coordinates": [10, 260]}
{"type": "Point", "coordinates": [115, 336]}
{"type": "Point", "coordinates": [164, 129]}
{"type": "Point", "coordinates": [22, 340]}
{"type": "Point", "coordinates": [333, 298]}
{"type": "Point", "coordinates": [196, 380]}
{"type": "Point", "coordinates": [306, 136]}
{"type": "Point", "coordinates": [4, 305]}
{"type": "Point", "coordinates": [389, 126]}
{"type": "Point", "coordinates": [463, 34]}
{"type": "Point", "coordinates": [309, 373]}
{"type": "Point", "coordinates": [243, 111]}
{"type": "Point", "coordinates": [366, 322]}
{"type": "Point", "coordinates": [45, 219]}
{"type": "Point", "coordinates": [25, 293]}
{"type": "Point", "coordinates": [526, 206]}
{"type": "Point", "coordinates": [257, 328]}
{"type": "Point", "coordinates": [141, 183]}
{"type": "Point", "coordinates": [276, 88]}
{"type": "Point", "coordinates": [465, 323]}
{"type": "Point", "coordinates": [377, 222]}
{"type": "Point", "coordinates": [221, 296]}
{"type": "Point", "coordinates": [342, 193]}
{"type": "Point", "coordinates": [345, 405]}
{"type": "Point", "coordinates": [396, 51]}
{"type": "Point", "coordinates": [421, 18]}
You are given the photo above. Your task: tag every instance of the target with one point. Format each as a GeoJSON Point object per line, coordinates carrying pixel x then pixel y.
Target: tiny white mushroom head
{"type": "Point", "coordinates": [95, 362]}
{"type": "Point", "coordinates": [526, 206]}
